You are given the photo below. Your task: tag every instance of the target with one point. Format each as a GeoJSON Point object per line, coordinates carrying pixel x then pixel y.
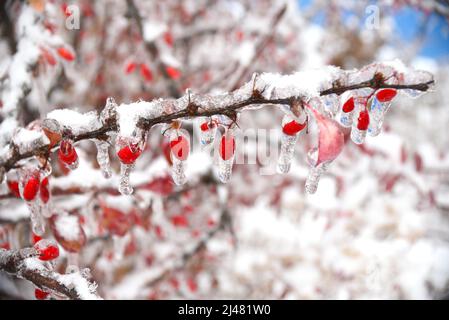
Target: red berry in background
{"type": "Point", "coordinates": [180, 147]}
{"type": "Point", "coordinates": [130, 67]}
{"type": "Point", "coordinates": [145, 71]}
{"type": "Point", "coordinates": [44, 190]}
{"type": "Point", "coordinates": [192, 285]}
{"type": "Point", "coordinates": [13, 186]}
{"type": "Point", "coordinates": [227, 147]}
{"type": "Point", "coordinates": [179, 220]}
{"type": "Point", "coordinates": [291, 128]}
{"type": "Point", "coordinates": [48, 56]}
{"type": "Point", "coordinates": [40, 294]}
{"type": "Point", "coordinates": [168, 38]}
{"type": "Point", "coordinates": [66, 54]}
{"type": "Point", "coordinates": [173, 73]}
{"type": "Point", "coordinates": [386, 95]}
{"type": "Point", "coordinates": [31, 187]}
{"type": "Point", "coordinates": [67, 152]}
{"type": "Point", "coordinates": [363, 120]}
{"type": "Point", "coordinates": [129, 153]}
{"type": "Point", "coordinates": [47, 249]}
{"type": "Point", "coordinates": [5, 246]}
{"type": "Point", "coordinates": [348, 105]}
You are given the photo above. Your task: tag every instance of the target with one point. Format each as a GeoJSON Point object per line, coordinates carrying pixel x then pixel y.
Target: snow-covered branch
{"type": "Point", "coordinates": [265, 89]}
{"type": "Point", "coordinates": [24, 264]}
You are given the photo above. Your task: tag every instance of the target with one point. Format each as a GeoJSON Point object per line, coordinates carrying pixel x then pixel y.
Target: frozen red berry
{"type": "Point", "coordinates": [227, 147]}
{"type": "Point", "coordinates": [291, 128]}
{"type": "Point", "coordinates": [40, 294]}
{"type": "Point", "coordinates": [67, 152]}
{"type": "Point", "coordinates": [348, 106]}
{"type": "Point", "coordinates": [363, 120]}
{"type": "Point", "coordinates": [31, 187]}
{"type": "Point", "coordinates": [47, 249]}
{"type": "Point", "coordinates": [386, 95]}
{"type": "Point", "coordinates": [179, 147]}
{"type": "Point", "coordinates": [129, 153]}
{"type": "Point", "coordinates": [13, 186]}
{"type": "Point", "coordinates": [44, 190]}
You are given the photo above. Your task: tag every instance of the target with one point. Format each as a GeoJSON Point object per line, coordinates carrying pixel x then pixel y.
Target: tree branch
{"type": "Point", "coordinates": [192, 111]}
{"type": "Point", "coordinates": [24, 264]}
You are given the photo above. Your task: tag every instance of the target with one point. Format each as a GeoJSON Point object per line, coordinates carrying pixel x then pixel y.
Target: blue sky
{"type": "Point", "coordinates": [408, 25]}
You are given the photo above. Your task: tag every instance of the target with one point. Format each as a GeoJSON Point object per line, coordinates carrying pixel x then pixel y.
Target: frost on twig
{"type": "Point", "coordinates": [24, 264]}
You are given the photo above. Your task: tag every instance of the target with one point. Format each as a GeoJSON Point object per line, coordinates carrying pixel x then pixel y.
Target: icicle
{"type": "Point", "coordinates": [124, 185]}
{"type": "Point", "coordinates": [360, 126]}
{"type": "Point", "coordinates": [45, 191]}
{"type": "Point", "coordinates": [315, 172]}
{"type": "Point", "coordinates": [208, 130]}
{"type": "Point", "coordinates": [29, 187]}
{"type": "Point", "coordinates": [128, 150]}
{"type": "Point", "coordinates": [72, 262]}
{"type": "Point", "coordinates": [67, 154]}
{"type": "Point", "coordinates": [226, 159]}
{"type": "Point", "coordinates": [290, 133]}
{"type": "Point", "coordinates": [103, 158]}
{"type": "Point", "coordinates": [179, 149]}
{"type": "Point", "coordinates": [347, 109]}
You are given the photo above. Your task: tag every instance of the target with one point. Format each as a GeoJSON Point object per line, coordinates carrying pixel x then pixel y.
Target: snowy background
{"type": "Point", "coordinates": [378, 225]}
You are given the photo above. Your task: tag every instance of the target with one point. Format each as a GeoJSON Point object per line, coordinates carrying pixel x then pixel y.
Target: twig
{"type": "Point", "coordinates": [23, 264]}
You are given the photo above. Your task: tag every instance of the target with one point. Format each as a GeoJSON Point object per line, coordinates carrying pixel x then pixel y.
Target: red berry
{"type": "Point", "coordinates": [204, 126]}
{"type": "Point", "coordinates": [146, 72]}
{"type": "Point", "coordinates": [349, 105]}
{"type": "Point", "coordinates": [31, 187]}
{"type": "Point", "coordinates": [14, 188]}
{"type": "Point", "coordinates": [40, 294]}
{"type": "Point", "coordinates": [180, 147]}
{"type": "Point", "coordinates": [44, 191]}
{"type": "Point", "coordinates": [179, 220]}
{"type": "Point", "coordinates": [129, 154]}
{"type": "Point", "coordinates": [291, 128]}
{"type": "Point", "coordinates": [227, 147]}
{"type": "Point", "coordinates": [35, 238]}
{"type": "Point", "coordinates": [67, 152]}
{"type": "Point", "coordinates": [66, 54]}
{"type": "Point", "coordinates": [48, 57]}
{"type": "Point", "coordinates": [173, 72]}
{"type": "Point", "coordinates": [168, 38]}
{"type": "Point", "coordinates": [130, 67]}
{"type": "Point", "coordinates": [193, 287]}
{"type": "Point", "coordinates": [5, 246]}
{"type": "Point", "coordinates": [386, 95]}
{"type": "Point", "coordinates": [47, 249]}
{"type": "Point", "coordinates": [363, 120]}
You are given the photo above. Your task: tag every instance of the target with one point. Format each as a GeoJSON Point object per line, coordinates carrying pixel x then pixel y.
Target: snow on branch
{"type": "Point", "coordinates": [24, 264]}
{"type": "Point", "coordinates": [292, 91]}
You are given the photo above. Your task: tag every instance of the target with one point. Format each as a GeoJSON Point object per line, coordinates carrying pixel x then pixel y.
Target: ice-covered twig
{"type": "Point", "coordinates": [24, 264]}
{"type": "Point", "coordinates": [269, 89]}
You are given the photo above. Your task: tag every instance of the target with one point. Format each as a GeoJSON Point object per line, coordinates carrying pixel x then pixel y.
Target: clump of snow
{"type": "Point", "coordinates": [68, 226]}
{"type": "Point", "coordinates": [77, 122]}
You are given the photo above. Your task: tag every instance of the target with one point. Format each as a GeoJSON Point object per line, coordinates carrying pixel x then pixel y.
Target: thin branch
{"type": "Point", "coordinates": [23, 264]}
{"type": "Point", "coordinates": [153, 51]}
{"type": "Point", "coordinates": [193, 111]}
